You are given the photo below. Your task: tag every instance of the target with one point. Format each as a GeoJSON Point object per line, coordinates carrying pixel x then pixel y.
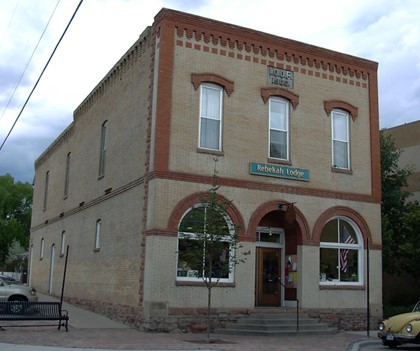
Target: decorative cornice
{"type": "Point", "coordinates": [250, 41]}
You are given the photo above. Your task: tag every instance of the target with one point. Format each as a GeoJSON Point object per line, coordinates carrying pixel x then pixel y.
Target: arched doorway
{"type": "Point", "coordinates": [277, 227]}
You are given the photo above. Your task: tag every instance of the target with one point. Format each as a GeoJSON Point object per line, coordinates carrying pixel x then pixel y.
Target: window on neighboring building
{"type": "Point", "coordinates": [104, 137]}
{"type": "Point", "coordinates": [98, 235]}
{"type": "Point", "coordinates": [41, 250]}
{"type": "Point", "coordinates": [279, 128]}
{"type": "Point", "coordinates": [47, 180]}
{"type": "Point", "coordinates": [341, 252]}
{"type": "Point", "coordinates": [340, 139]}
{"type": "Point", "coordinates": [63, 243]}
{"type": "Point", "coordinates": [66, 180]}
{"type": "Point", "coordinates": [194, 256]}
{"type": "Point", "coordinates": [211, 102]}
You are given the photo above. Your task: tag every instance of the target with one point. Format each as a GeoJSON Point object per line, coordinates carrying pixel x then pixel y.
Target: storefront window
{"type": "Point", "coordinates": [203, 245]}
{"type": "Point", "coordinates": [341, 253]}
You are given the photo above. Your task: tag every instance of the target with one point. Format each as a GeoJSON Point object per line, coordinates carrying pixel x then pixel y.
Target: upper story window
{"type": "Point", "coordinates": [47, 181]}
{"type": "Point", "coordinates": [341, 252]}
{"type": "Point", "coordinates": [67, 176]}
{"type": "Point", "coordinates": [340, 139]}
{"type": "Point", "coordinates": [195, 258]}
{"type": "Point", "coordinates": [104, 137]}
{"type": "Point", "coordinates": [211, 102]}
{"type": "Point", "coordinates": [279, 128]}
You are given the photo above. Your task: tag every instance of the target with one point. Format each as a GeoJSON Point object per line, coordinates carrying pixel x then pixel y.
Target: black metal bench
{"type": "Point", "coordinates": [33, 311]}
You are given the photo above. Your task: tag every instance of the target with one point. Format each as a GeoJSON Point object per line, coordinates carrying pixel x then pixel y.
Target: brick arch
{"type": "Point", "coordinates": [198, 78]}
{"type": "Point", "coordinates": [197, 198]}
{"type": "Point", "coordinates": [332, 104]}
{"type": "Point", "coordinates": [266, 93]}
{"type": "Point", "coordinates": [344, 212]}
{"type": "Point", "coordinates": [267, 207]}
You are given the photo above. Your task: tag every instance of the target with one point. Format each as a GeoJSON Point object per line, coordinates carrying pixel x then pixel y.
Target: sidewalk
{"type": "Point", "coordinates": [88, 330]}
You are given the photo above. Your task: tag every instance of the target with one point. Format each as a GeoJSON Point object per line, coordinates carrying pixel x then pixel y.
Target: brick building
{"type": "Point", "coordinates": [295, 130]}
{"type": "Point", "coordinates": [407, 140]}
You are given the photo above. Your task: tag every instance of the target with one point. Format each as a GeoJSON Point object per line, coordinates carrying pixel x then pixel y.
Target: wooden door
{"type": "Point", "coordinates": [268, 276]}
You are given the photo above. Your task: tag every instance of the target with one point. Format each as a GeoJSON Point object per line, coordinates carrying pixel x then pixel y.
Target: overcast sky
{"type": "Point", "coordinates": [385, 31]}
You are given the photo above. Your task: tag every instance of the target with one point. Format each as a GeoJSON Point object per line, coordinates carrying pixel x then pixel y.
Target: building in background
{"type": "Point", "coordinates": [295, 130]}
{"type": "Point", "coordinates": [407, 139]}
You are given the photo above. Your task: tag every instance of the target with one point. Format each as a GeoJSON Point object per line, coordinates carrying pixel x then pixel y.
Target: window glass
{"type": "Point", "coordinates": [63, 242]}
{"type": "Point", "coordinates": [340, 252]}
{"type": "Point", "coordinates": [98, 235]}
{"type": "Point", "coordinates": [203, 245]}
{"type": "Point", "coordinates": [340, 136]}
{"type": "Point", "coordinates": [279, 128]}
{"type": "Point", "coordinates": [210, 116]}
{"type": "Point", "coordinates": [66, 180]}
{"type": "Point", "coordinates": [104, 141]}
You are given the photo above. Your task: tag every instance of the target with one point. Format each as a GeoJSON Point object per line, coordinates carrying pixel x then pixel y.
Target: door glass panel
{"type": "Point", "coordinates": [270, 274]}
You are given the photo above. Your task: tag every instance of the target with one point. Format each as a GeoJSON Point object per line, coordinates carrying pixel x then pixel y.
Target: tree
{"type": "Point", "coordinates": [15, 214]}
{"type": "Point", "coordinates": [16, 258]}
{"type": "Point", "coordinates": [400, 237]}
{"type": "Point", "coordinates": [209, 244]}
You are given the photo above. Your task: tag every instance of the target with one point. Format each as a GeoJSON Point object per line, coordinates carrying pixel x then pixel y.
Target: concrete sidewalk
{"type": "Point", "coordinates": [88, 330]}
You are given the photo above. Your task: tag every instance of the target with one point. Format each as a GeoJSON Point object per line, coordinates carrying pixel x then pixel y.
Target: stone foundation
{"type": "Point", "coordinates": [185, 320]}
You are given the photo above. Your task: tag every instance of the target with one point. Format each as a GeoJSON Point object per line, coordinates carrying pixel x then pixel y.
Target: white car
{"type": "Point", "coordinates": [16, 292]}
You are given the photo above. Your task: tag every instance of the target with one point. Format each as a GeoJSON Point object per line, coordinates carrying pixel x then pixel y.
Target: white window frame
{"type": "Point", "coordinates": [338, 245]}
{"type": "Point", "coordinates": [282, 129]}
{"type": "Point", "coordinates": [191, 236]}
{"type": "Point", "coordinates": [344, 138]}
{"type": "Point", "coordinates": [98, 235]}
{"type": "Point", "coordinates": [218, 115]}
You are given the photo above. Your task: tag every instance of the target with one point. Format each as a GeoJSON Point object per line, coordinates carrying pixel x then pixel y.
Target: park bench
{"type": "Point", "coordinates": [12, 311]}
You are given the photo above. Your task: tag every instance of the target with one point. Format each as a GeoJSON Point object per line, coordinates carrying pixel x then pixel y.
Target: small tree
{"type": "Point", "coordinates": [210, 242]}
{"type": "Point", "coordinates": [15, 260]}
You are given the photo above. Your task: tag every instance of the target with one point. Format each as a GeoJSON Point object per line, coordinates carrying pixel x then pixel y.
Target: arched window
{"type": "Point", "coordinates": [204, 245]}
{"type": "Point", "coordinates": [341, 252]}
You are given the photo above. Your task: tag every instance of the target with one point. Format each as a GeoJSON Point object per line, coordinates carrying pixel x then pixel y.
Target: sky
{"type": "Point", "coordinates": [384, 31]}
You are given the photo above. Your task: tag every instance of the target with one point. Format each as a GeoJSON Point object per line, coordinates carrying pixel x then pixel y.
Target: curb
{"type": "Point", "coordinates": [356, 345]}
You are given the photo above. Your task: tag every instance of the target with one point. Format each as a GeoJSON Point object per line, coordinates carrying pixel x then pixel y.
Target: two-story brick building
{"type": "Point", "coordinates": [295, 130]}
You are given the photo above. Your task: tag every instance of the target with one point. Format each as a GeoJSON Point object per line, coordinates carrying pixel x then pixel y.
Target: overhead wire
{"type": "Point", "coordinates": [29, 61]}
{"type": "Point", "coordinates": [42, 73]}
{"type": "Point", "coordinates": [9, 24]}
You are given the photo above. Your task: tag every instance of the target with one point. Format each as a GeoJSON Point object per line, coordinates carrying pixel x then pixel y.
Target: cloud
{"type": "Point", "coordinates": [385, 31]}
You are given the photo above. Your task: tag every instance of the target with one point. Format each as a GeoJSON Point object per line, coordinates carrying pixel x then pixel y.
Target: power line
{"type": "Point", "coordinates": [40, 76]}
{"type": "Point", "coordinates": [30, 59]}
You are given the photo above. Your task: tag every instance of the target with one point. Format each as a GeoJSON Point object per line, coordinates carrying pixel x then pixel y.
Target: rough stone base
{"type": "Point", "coordinates": [195, 320]}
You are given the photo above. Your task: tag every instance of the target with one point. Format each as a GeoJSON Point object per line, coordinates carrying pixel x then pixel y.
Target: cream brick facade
{"type": "Point", "coordinates": [155, 171]}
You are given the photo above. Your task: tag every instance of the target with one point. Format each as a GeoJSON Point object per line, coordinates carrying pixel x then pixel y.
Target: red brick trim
{"type": "Point", "coordinates": [266, 93]}
{"type": "Point", "coordinates": [199, 78]}
{"type": "Point", "coordinates": [345, 212]}
{"type": "Point", "coordinates": [261, 211]}
{"type": "Point", "coordinates": [197, 198]}
{"type": "Point", "coordinates": [262, 186]}
{"type": "Point", "coordinates": [332, 104]}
